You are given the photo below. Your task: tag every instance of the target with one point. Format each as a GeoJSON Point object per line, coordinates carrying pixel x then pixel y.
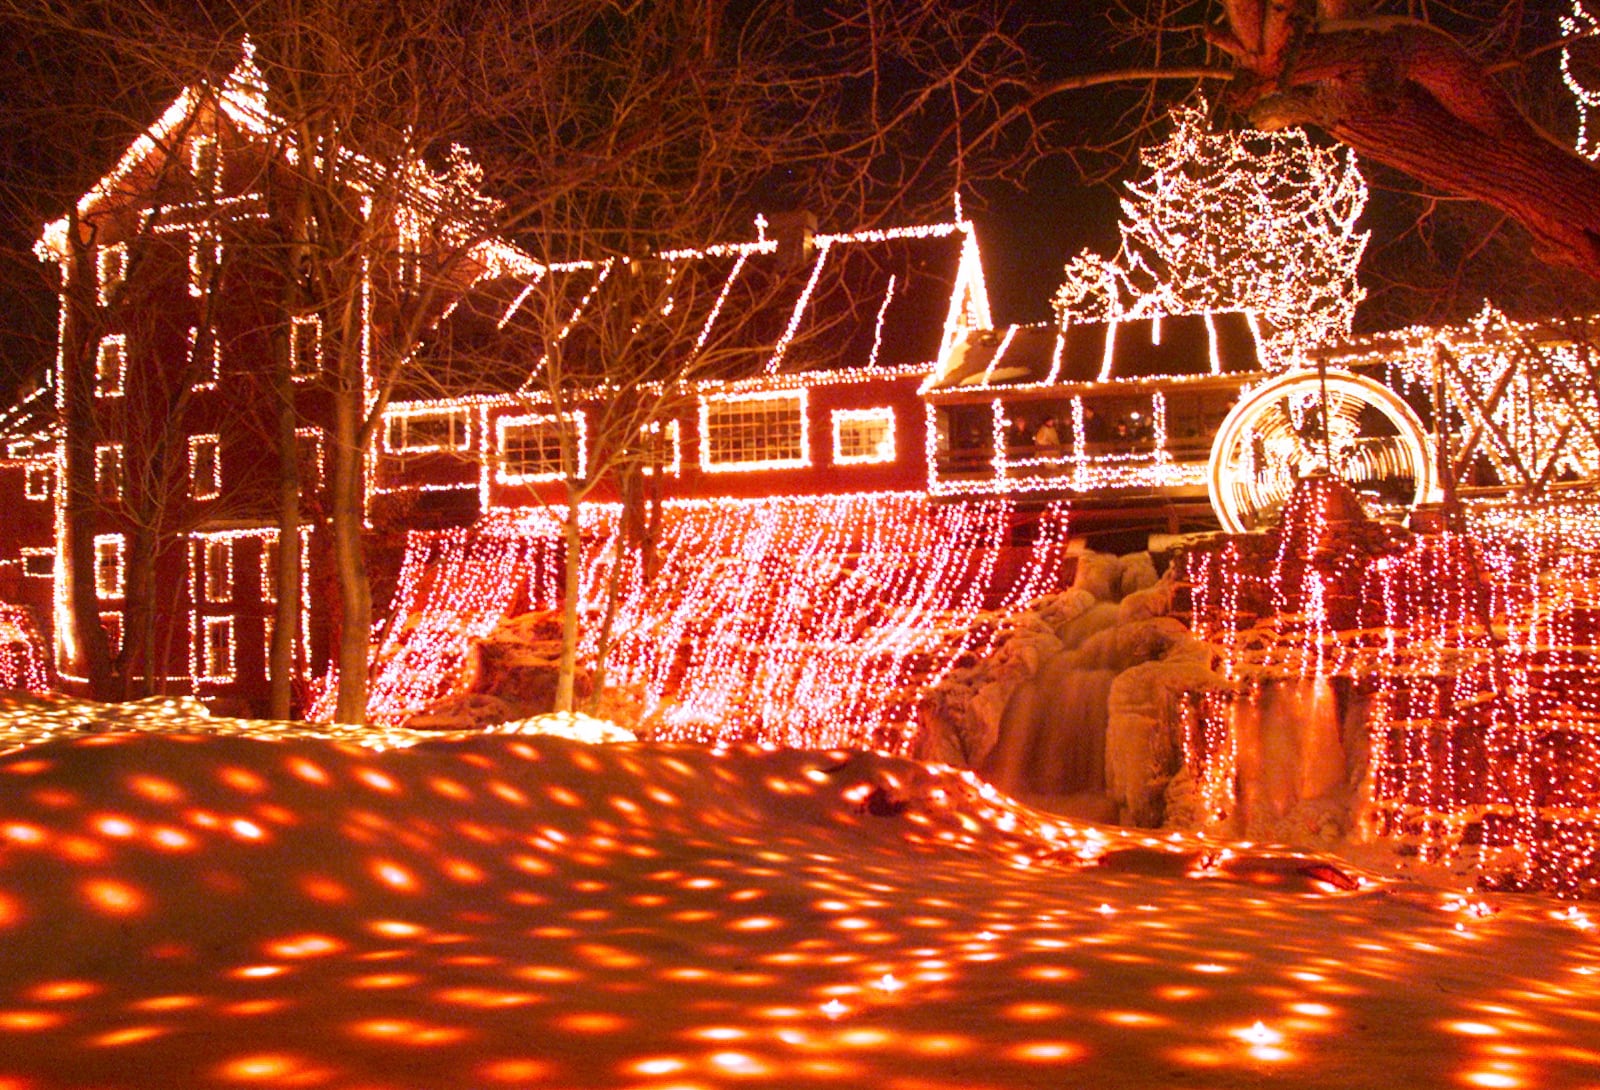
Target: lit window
{"type": "Point", "coordinates": [269, 571]}
{"type": "Point", "coordinates": [863, 436]}
{"type": "Point", "coordinates": [39, 563]}
{"type": "Point", "coordinates": [111, 267]}
{"type": "Point", "coordinates": [205, 359]}
{"type": "Point", "coordinates": [203, 160]}
{"type": "Point", "coordinates": [111, 625]}
{"type": "Point", "coordinates": [218, 569]}
{"type": "Point", "coordinates": [662, 447]}
{"type": "Point", "coordinates": [108, 566]}
{"type": "Point", "coordinates": [111, 366]}
{"type": "Point", "coordinates": [108, 471]}
{"type": "Point", "coordinates": [418, 430]}
{"type": "Point", "coordinates": [753, 431]}
{"type": "Point", "coordinates": [540, 448]}
{"type": "Point", "coordinates": [308, 453]}
{"type": "Point", "coordinates": [205, 258]}
{"type": "Point", "coordinates": [205, 467]}
{"type": "Point", "coordinates": [38, 481]}
{"type": "Point", "coordinates": [216, 634]}
{"type": "Point", "coordinates": [305, 346]}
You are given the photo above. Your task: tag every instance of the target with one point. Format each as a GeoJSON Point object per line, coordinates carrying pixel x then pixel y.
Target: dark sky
{"type": "Point", "coordinates": [1029, 222]}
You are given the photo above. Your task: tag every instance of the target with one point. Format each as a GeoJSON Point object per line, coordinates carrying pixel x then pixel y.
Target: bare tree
{"type": "Point", "coordinates": [604, 131]}
{"type": "Point", "coordinates": [1429, 90]}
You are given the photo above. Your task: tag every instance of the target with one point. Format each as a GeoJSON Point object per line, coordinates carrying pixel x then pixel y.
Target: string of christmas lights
{"type": "Point", "coordinates": [801, 621]}
{"type": "Point", "coordinates": [1262, 222]}
{"type": "Point", "coordinates": [1475, 657]}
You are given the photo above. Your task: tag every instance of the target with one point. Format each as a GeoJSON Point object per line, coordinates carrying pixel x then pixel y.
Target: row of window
{"type": "Point", "coordinates": [214, 658]}
{"type": "Point", "coordinates": [205, 468]}
{"type": "Point", "coordinates": [214, 555]}
{"type": "Point", "coordinates": [205, 357]}
{"type": "Point", "coordinates": [741, 432]}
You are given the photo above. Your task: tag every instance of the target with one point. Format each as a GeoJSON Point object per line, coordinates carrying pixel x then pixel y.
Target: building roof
{"type": "Point", "coordinates": [1130, 350]}
{"type": "Point", "coordinates": [887, 299]}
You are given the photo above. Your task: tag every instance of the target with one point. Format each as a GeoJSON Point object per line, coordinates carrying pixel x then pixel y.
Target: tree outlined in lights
{"type": "Point", "coordinates": [1262, 222]}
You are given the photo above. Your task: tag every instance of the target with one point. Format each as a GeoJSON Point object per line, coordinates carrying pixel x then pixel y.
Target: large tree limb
{"type": "Point", "coordinates": [1410, 97]}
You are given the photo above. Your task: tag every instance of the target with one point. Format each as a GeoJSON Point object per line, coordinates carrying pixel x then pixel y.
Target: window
{"type": "Point", "coordinates": [753, 431]}
{"type": "Point", "coordinates": [205, 467]}
{"type": "Point", "coordinates": [111, 625]}
{"type": "Point", "coordinates": [205, 258]}
{"type": "Point", "coordinates": [662, 447]}
{"type": "Point", "coordinates": [531, 448]}
{"type": "Point", "coordinates": [269, 572]}
{"type": "Point", "coordinates": [205, 359]}
{"type": "Point", "coordinates": [111, 267]}
{"type": "Point", "coordinates": [305, 346]}
{"type": "Point", "coordinates": [108, 566]}
{"type": "Point", "coordinates": [419, 430]}
{"type": "Point", "coordinates": [218, 552]}
{"type": "Point", "coordinates": [38, 481]}
{"type": "Point", "coordinates": [39, 563]}
{"type": "Point", "coordinates": [863, 436]}
{"type": "Point", "coordinates": [204, 161]}
{"type": "Point", "coordinates": [111, 366]}
{"type": "Point", "coordinates": [216, 636]}
{"type": "Point", "coordinates": [108, 471]}
{"type": "Point", "coordinates": [308, 455]}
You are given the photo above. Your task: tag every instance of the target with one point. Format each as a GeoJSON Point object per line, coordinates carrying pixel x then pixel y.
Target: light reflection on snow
{"type": "Point", "coordinates": [502, 912]}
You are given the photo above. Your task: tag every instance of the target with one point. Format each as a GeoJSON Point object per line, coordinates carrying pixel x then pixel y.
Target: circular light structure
{"type": "Point", "coordinates": [1305, 422]}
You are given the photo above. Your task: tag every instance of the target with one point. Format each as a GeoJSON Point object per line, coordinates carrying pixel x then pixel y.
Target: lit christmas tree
{"type": "Point", "coordinates": [1263, 222]}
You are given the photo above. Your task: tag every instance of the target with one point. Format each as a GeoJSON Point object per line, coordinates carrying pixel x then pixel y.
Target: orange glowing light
{"type": "Point", "coordinates": [242, 780]}
{"type": "Point", "coordinates": [384, 980]}
{"type": "Point", "coordinates": [115, 826]}
{"type": "Point", "coordinates": [154, 788]}
{"type": "Point", "coordinates": [1048, 1052]}
{"type": "Point", "coordinates": [130, 1035]}
{"type": "Point", "coordinates": [263, 1067]}
{"type": "Point", "coordinates": [112, 897]}
{"type": "Point", "coordinates": [394, 876]}
{"type": "Point", "coordinates": [515, 1071]}
{"type": "Point", "coordinates": [19, 833]}
{"type": "Point", "coordinates": [304, 946]}
{"type": "Point", "coordinates": [592, 1022]}
{"type": "Point", "coordinates": [62, 991]}
{"type": "Point", "coordinates": [167, 1003]}
{"type": "Point", "coordinates": [10, 911]}
{"type": "Point", "coordinates": [378, 781]}
{"type": "Point", "coordinates": [172, 840]}
{"type": "Point", "coordinates": [1494, 1080]}
{"type": "Point", "coordinates": [325, 890]}
{"type": "Point", "coordinates": [29, 1021]}
{"type": "Point", "coordinates": [249, 1008]}
{"type": "Point", "coordinates": [401, 1031]}
{"type": "Point", "coordinates": [739, 1063]}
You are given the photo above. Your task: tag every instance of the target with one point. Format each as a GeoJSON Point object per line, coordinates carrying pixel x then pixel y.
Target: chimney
{"type": "Point", "coordinates": [793, 232]}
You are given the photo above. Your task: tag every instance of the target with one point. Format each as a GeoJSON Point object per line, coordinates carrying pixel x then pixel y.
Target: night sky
{"type": "Point", "coordinates": [1044, 206]}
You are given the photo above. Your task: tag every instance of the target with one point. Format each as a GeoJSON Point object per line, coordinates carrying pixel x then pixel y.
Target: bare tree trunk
{"type": "Point", "coordinates": [349, 557]}
{"type": "Point", "coordinates": [572, 535]}
{"type": "Point", "coordinates": [281, 665]}
{"type": "Point", "coordinates": [139, 616]}
{"type": "Point", "coordinates": [86, 640]}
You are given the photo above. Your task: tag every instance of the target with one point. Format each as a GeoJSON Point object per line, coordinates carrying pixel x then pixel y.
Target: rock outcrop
{"type": "Point", "coordinates": [1075, 704]}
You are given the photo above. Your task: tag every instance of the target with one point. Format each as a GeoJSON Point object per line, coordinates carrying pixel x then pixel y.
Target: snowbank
{"type": "Point", "coordinates": [179, 909]}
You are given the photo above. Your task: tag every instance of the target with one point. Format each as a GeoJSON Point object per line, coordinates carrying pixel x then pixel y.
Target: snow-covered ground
{"type": "Point", "coordinates": [498, 911]}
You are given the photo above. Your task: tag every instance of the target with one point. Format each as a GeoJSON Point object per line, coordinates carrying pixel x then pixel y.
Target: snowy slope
{"type": "Point", "coordinates": [498, 912]}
